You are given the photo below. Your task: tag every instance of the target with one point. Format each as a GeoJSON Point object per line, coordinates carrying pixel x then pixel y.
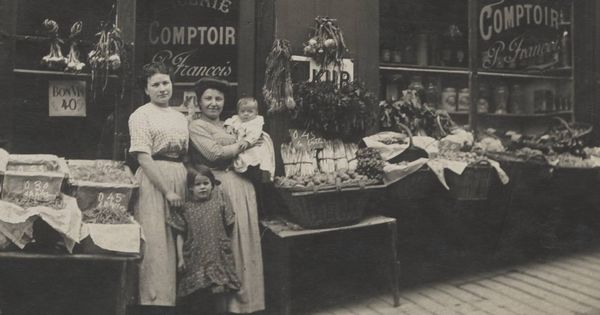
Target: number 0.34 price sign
{"type": "Point", "coordinates": [66, 98]}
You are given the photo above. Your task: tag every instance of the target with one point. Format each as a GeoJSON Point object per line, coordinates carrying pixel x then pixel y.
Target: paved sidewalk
{"type": "Point", "coordinates": [564, 285]}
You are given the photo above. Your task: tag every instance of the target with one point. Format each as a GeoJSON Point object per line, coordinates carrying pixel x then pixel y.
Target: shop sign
{"type": "Point", "coordinates": [314, 72]}
{"type": "Point", "coordinates": [521, 35]}
{"type": "Point", "coordinates": [197, 38]}
{"type": "Point", "coordinates": [67, 98]}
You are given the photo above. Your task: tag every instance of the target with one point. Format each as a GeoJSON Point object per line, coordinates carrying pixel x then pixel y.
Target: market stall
{"type": "Point", "coordinates": [66, 218]}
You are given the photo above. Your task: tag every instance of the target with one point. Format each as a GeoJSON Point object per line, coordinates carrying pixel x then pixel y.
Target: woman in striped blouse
{"type": "Point", "coordinates": [212, 146]}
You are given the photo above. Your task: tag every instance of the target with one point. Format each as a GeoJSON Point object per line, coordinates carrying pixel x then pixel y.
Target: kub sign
{"type": "Point", "coordinates": [66, 98]}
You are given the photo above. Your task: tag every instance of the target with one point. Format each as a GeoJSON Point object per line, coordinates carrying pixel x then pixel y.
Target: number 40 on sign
{"type": "Point", "coordinates": [67, 98]}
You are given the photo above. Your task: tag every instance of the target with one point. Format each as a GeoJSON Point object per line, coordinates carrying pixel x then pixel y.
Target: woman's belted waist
{"type": "Point", "coordinates": [160, 157]}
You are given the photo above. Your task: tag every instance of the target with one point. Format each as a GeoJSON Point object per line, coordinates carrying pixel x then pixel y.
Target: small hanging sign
{"type": "Point", "coordinates": [67, 98]}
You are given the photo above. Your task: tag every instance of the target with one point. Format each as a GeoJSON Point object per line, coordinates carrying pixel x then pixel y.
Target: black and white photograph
{"type": "Point", "coordinates": [299, 157]}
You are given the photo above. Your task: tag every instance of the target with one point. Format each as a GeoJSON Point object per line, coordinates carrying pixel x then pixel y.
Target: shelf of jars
{"type": "Point", "coordinates": [547, 75]}
{"type": "Point", "coordinates": [424, 69]}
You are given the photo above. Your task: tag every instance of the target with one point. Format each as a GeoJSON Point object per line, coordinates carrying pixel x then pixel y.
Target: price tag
{"type": "Point", "coordinates": [37, 190]}
{"type": "Point", "coordinates": [67, 98]}
{"type": "Point", "coordinates": [305, 139]}
{"type": "Point", "coordinates": [112, 200]}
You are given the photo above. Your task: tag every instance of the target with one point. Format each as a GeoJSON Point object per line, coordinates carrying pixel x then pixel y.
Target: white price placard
{"type": "Point", "coordinates": [67, 98]}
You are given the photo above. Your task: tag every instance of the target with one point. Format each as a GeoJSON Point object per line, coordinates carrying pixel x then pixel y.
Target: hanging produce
{"type": "Point", "coordinates": [334, 112]}
{"type": "Point", "coordinates": [327, 45]}
{"type": "Point", "coordinates": [54, 59]}
{"type": "Point", "coordinates": [278, 90]}
{"type": "Point", "coordinates": [73, 62]}
{"type": "Point", "coordinates": [106, 55]}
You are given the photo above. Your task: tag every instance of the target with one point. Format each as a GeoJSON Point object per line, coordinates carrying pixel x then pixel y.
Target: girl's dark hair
{"type": "Point", "coordinates": [151, 69]}
{"type": "Point", "coordinates": [204, 171]}
{"type": "Point", "coordinates": [206, 83]}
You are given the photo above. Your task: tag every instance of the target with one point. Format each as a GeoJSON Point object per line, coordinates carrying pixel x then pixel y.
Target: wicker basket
{"type": "Point", "coordinates": [418, 185]}
{"type": "Point", "coordinates": [325, 209]}
{"type": "Point", "coordinates": [473, 184]}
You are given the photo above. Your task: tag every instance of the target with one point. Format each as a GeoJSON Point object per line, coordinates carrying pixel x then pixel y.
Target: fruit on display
{"type": "Point", "coordinates": [106, 216]}
{"type": "Point", "coordinates": [100, 172]}
{"type": "Point", "coordinates": [458, 156]}
{"type": "Point", "coordinates": [327, 45]}
{"type": "Point", "coordinates": [370, 163]}
{"type": "Point", "coordinates": [317, 181]}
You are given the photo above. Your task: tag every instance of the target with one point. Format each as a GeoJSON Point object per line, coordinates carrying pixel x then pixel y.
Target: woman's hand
{"type": "Point", "coordinates": [174, 199]}
{"type": "Point", "coordinates": [181, 265]}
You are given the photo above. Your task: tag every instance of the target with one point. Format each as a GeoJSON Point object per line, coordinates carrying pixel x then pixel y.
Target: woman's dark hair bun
{"type": "Point", "coordinates": [151, 69]}
{"type": "Point", "coordinates": [206, 83]}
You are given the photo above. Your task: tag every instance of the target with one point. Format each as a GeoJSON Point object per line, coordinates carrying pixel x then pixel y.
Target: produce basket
{"type": "Point", "coordinates": [326, 208]}
{"type": "Point", "coordinates": [101, 184]}
{"type": "Point", "coordinates": [473, 184]}
{"type": "Point", "coordinates": [418, 185]}
{"type": "Point", "coordinates": [37, 177]}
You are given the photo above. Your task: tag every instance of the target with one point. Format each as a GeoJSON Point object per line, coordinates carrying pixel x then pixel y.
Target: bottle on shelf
{"type": "Point", "coordinates": [422, 49]}
{"type": "Point", "coordinates": [500, 98]}
{"type": "Point", "coordinates": [517, 100]}
{"type": "Point", "coordinates": [454, 48]}
{"type": "Point", "coordinates": [432, 95]}
{"type": "Point", "coordinates": [565, 49]}
{"type": "Point", "coordinates": [386, 55]}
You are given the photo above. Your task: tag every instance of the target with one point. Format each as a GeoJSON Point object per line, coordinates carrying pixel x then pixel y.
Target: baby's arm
{"type": "Point", "coordinates": [253, 130]}
{"type": "Point", "coordinates": [180, 260]}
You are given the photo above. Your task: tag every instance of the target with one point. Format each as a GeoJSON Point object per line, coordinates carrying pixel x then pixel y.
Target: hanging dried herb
{"type": "Point", "coordinates": [278, 91]}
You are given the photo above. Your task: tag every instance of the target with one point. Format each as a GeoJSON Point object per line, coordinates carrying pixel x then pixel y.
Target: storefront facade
{"type": "Point", "coordinates": [230, 39]}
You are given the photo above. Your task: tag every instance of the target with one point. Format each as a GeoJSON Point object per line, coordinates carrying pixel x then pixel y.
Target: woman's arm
{"type": "Point", "coordinates": [150, 169]}
{"type": "Point", "coordinates": [201, 139]}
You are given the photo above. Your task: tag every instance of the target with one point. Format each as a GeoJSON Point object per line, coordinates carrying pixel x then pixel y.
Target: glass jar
{"type": "Point", "coordinates": [448, 102]}
{"type": "Point", "coordinates": [501, 98]}
{"type": "Point", "coordinates": [517, 100]}
{"type": "Point", "coordinates": [464, 100]}
{"type": "Point", "coordinates": [386, 55]}
{"type": "Point", "coordinates": [416, 83]}
{"type": "Point", "coordinates": [483, 103]}
{"type": "Point", "coordinates": [397, 56]}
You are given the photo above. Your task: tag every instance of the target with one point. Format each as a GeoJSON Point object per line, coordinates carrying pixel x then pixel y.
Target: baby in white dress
{"type": "Point", "coordinates": [247, 126]}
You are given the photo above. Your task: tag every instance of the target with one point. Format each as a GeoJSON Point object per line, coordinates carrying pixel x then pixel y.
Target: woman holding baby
{"type": "Point", "coordinates": [212, 145]}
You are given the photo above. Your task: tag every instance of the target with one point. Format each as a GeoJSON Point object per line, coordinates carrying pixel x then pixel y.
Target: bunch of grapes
{"type": "Point", "coordinates": [370, 163]}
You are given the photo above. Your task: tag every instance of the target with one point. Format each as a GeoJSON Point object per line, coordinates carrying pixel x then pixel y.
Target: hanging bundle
{"type": "Point", "coordinates": [55, 58]}
{"type": "Point", "coordinates": [278, 91]}
{"type": "Point", "coordinates": [327, 45]}
{"type": "Point", "coordinates": [73, 62]}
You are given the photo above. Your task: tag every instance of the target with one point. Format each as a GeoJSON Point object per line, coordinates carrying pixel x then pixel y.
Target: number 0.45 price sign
{"type": "Point", "coordinates": [66, 98]}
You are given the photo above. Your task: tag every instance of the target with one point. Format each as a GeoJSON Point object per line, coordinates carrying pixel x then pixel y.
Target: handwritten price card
{"type": "Point", "coordinates": [67, 98]}
{"type": "Point", "coordinates": [114, 198]}
{"type": "Point", "coordinates": [32, 186]}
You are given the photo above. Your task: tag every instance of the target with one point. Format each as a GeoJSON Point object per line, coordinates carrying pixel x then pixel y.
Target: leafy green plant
{"type": "Point", "coordinates": [334, 112]}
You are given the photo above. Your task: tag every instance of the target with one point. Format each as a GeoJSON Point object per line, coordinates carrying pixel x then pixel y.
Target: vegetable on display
{"type": "Point", "coordinates": [54, 59]}
{"type": "Point", "coordinates": [73, 62]}
{"type": "Point", "coordinates": [277, 90]}
{"type": "Point", "coordinates": [106, 216]}
{"type": "Point", "coordinates": [100, 173]}
{"type": "Point", "coordinates": [343, 112]}
{"type": "Point", "coordinates": [26, 202]}
{"type": "Point", "coordinates": [327, 45]}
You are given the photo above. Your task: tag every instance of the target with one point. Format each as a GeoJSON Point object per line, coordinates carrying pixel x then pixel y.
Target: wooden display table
{"type": "Point", "coordinates": [278, 241]}
{"type": "Point", "coordinates": [66, 284]}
